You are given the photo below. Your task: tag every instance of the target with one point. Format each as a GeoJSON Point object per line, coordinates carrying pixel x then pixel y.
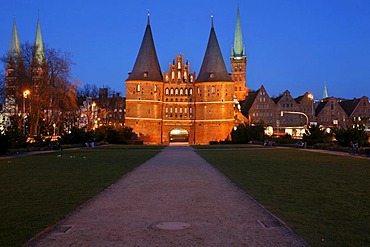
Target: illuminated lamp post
{"type": "Point", "coordinates": [310, 96]}
{"type": "Point", "coordinates": [25, 96]}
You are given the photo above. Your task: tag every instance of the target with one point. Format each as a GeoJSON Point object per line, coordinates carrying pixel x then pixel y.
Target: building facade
{"type": "Point", "coordinates": [177, 105]}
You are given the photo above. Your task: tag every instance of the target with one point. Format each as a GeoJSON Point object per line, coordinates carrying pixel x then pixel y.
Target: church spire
{"type": "Point", "coordinates": [238, 50]}
{"type": "Point", "coordinates": [38, 52]}
{"type": "Point", "coordinates": [213, 67]}
{"type": "Point", "coordinates": [325, 93]}
{"type": "Point", "coordinates": [146, 66]}
{"type": "Point", "coordinates": [15, 48]}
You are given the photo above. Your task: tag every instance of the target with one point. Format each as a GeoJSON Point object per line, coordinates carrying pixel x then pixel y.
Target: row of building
{"type": "Point", "coordinates": [286, 114]}
{"type": "Point", "coordinates": [180, 104]}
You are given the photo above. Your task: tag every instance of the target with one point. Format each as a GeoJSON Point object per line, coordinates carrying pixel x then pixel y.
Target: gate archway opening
{"type": "Point", "coordinates": [179, 135]}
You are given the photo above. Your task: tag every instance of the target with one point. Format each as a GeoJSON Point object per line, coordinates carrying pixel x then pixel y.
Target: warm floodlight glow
{"type": "Point", "coordinates": [26, 93]}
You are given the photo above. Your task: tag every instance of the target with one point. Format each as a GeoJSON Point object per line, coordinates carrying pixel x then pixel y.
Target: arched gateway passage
{"type": "Point", "coordinates": [179, 135]}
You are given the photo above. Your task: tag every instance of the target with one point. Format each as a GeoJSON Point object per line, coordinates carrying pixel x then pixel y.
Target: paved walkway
{"type": "Point", "coordinates": [174, 199]}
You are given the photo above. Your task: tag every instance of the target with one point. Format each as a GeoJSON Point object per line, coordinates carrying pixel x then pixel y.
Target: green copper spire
{"type": "Point", "coordinates": [38, 52]}
{"type": "Point", "coordinates": [15, 48]}
{"type": "Point", "coordinates": [238, 50]}
{"type": "Point", "coordinates": [325, 93]}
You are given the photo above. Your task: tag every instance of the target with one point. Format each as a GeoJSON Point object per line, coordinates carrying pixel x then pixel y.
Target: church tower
{"type": "Point", "coordinates": [238, 61]}
{"type": "Point", "coordinates": [15, 74]}
{"type": "Point", "coordinates": [144, 91]}
{"type": "Point", "coordinates": [38, 69]}
{"type": "Point", "coordinates": [214, 118]}
{"type": "Point", "coordinates": [38, 72]}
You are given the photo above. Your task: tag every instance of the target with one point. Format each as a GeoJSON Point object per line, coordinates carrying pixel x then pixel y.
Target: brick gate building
{"type": "Point", "coordinates": [177, 105]}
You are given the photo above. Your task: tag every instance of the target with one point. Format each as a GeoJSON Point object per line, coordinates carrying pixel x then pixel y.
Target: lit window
{"type": "Point", "coordinates": [155, 88]}
{"type": "Point", "coordinates": [213, 89]}
{"type": "Point", "coordinates": [167, 91]}
{"type": "Point", "coordinates": [171, 91]}
{"type": "Point", "coordinates": [176, 91]}
{"type": "Point", "coordinates": [190, 91]}
{"type": "Point", "coordinates": [181, 91]}
{"type": "Point", "coordinates": [138, 88]}
{"type": "Point", "coordinates": [186, 91]}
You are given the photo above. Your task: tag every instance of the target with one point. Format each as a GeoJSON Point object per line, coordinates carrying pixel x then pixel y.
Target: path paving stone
{"type": "Point", "coordinates": [174, 199]}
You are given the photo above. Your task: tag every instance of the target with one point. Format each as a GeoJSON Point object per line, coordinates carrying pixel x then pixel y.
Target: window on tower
{"type": "Point", "coordinates": [138, 88]}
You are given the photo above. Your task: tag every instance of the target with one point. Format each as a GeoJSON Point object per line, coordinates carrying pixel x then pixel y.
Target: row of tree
{"type": "Point", "coordinates": [51, 104]}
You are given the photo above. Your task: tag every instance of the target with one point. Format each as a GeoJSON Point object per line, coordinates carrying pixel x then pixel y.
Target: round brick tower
{"type": "Point", "coordinates": [214, 92]}
{"type": "Point", "coordinates": [144, 91]}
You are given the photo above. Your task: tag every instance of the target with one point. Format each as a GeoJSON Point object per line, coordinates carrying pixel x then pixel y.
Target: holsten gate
{"type": "Point", "coordinates": [179, 105]}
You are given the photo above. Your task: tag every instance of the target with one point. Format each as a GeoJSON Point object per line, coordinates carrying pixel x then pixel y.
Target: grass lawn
{"type": "Point", "coordinates": [37, 191]}
{"type": "Point", "coordinates": [323, 198]}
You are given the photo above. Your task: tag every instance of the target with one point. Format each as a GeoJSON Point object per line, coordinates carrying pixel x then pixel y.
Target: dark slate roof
{"type": "Point", "coordinates": [349, 105]}
{"type": "Point", "coordinates": [213, 67]}
{"type": "Point", "coordinates": [248, 102]}
{"type": "Point", "coordinates": [299, 99]}
{"type": "Point", "coordinates": [277, 99]}
{"type": "Point", "coordinates": [320, 106]}
{"type": "Point", "coordinates": [146, 66]}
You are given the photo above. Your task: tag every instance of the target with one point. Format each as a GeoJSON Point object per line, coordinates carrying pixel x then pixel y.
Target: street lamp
{"type": "Point", "coordinates": [310, 96]}
{"type": "Point", "coordinates": [25, 96]}
{"type": "Point", "coordinates": [54, 125]}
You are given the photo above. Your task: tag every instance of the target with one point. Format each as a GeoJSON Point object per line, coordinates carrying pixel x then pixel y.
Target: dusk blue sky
{"type": "Point", "coordinates": [291, 44]}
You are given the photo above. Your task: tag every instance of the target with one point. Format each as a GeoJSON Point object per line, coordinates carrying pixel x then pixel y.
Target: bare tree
{"type": "Point", "coordinates": [88, 90]}
{"type": "Point", "coordinates": [52, 94]}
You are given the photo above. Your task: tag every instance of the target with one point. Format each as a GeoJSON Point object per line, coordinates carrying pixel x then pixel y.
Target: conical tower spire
{"type": "Point", "coordinates": [146, 66]}
{"type": "Point", "coordinates": [38, 52]}
{"type": "Point", "coordinates": [213, 67]}
{"type": "Point", "coordinates": [15, 48]}
{"type": "Point", "coordinates": [238, 50]}
{"type": "Point", "coordinates": [325, 93]}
